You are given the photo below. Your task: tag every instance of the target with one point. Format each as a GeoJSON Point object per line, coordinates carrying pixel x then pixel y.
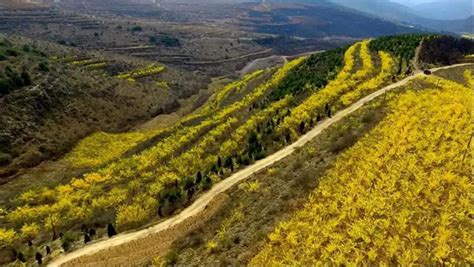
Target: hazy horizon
{"type": "Point", "coordinates": [416, 2]}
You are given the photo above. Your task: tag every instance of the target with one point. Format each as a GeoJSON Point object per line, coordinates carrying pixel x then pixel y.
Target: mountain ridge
{"type": "Point", "coordinates": [403, 14]}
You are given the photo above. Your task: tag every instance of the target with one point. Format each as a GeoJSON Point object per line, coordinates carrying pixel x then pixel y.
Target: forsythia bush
{"type": "Point", "coordinates": [214, 104]}
{"type": "Point", "coordinates": [192, 160]}
{"type": "Point", "coordinates": [367, 64]}
{"type": "Point", "coordinates": [132, 215]}
{"type": "Point", "coordinates": [238, 85]}
{"type": "Point", "coordinates": [30, 231]}
{"type": "Point", "coordinates": [469, 79]}
{"type": "Point", "coordinates": [387, 70]}
{"type": "Point", "coordinates": [222, 93]}
{"type": "Point", "coordinates": [102, 147]}
{"type": "Point", "coordinates": [139, 73]}
{"type": "Point", "coordinates": [96, 66]}
{"type": "Point", "coordinates": [401, 196]}
{"type": "Point", "coordinates": [7, 237]}
{"type": "Point", "coordinates": [84, 62]}
{"type": "Point", "coordinates": [89, 64]}
{"type": "Point", "coordinates": [343, 82]}
{"type": "Point", "coordinates": [345, 72]}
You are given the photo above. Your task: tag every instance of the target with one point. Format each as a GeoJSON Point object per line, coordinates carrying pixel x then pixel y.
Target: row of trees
{"type": "Point", "coordinates": [401, 46]}
{"type": "Point", "coordinates": [445, 50]}
{"type": "Point", "coordinates": [314, 104]}
{"type": "Point", "coordinates": [315, 72]}
{"type": "Point", "coordinates": [385, 74]}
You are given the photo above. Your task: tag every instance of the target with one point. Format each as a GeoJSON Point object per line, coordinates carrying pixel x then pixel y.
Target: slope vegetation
{"type": "Point", "coordinates": [237, 231]}
{"type": "Point", "coordinates": [245, 121]}
{"type": "Point", "coordinates": [49, 101]}
{"type": "Point", "coordinates": [401, 195]}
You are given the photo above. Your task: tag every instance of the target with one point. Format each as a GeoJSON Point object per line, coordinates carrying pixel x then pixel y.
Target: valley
{"type": "Point", "coordinates": [231, 133]}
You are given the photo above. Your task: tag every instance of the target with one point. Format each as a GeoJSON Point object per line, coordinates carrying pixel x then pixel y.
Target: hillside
{"type": "Point", "coordinates": [381, 204]}
{"type": "Point", "coordinates": [264, 216]}
{"type": "Point", "coordinates": [157, 174]}
{"type": "Point", "coordinates": [250, 213]}
{"type": "Point", "coordinates": [49, 100]}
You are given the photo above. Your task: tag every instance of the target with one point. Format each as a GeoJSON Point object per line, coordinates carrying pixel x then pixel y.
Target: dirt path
{"type": "Point", "coordinates": [267, 51]}
{"type": "Point", "coordinates": [202, 203]}
{"type": "Point", "coordinates": [262, 63]}
{"type": "Point", "coordinates": [271, 61]}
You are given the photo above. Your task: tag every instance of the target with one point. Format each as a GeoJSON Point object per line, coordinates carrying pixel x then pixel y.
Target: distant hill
{"type": "Point", "coordinates": [313, 19]}
{"type": "Point", "coordinates": [382, 8]}
{"type": "Point", "coordinates": [403, 14]}
{"type": "Point", "coordinates": [300, 18]}
{"type": "Point", "coordinates": [459, 26]}
{"type": "Point", "coordinates": [445, 10]}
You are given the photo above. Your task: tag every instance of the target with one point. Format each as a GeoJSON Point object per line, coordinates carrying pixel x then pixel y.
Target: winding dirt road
{"type": "Point", "coordinates": [201, 203]}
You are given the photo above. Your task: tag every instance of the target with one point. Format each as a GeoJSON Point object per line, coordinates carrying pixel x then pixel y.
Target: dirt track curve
{"type": "Point", "coordinates": [202, 202]}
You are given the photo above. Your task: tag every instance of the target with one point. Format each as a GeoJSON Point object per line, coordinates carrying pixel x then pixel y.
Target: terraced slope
{"type": "Point", "coordinates": [254, 208]}
{"type": "Point", "coordinates": [401, 195]}
{"type": "Point", "coordinates": [157, 239]}
{"type": "Point", "coordinates": [190, 138]}
{"type": "Point", "coordinates": [161, 172]}
{"type": "Point", "coordinates": [244, 130]}
{"type": "Point", "coordinates": [251, 123]}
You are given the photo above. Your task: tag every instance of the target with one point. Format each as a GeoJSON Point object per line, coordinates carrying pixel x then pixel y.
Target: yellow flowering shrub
{"type": "Point", "coordinates": [96, 66]}
{"type": "Point", "coordinates": [236, 215]}
{"type": "Point", "coordinates": [238, 136]}
{"type": "Point", "coordinates": [401, 196]}
{"type": "Point", "coordinates": [386, 72]}
{"type": "Point", "coordinates": [101, 147]}
{"type": "Point", "coordinates": [367, 64]}
{"type": "Point", "coordinates": [30, 231]}
{"type": "Point", "coordinates": [131, 216]}
{"type": "Point", "coordinates": [214, 103]}
{"type": "Point", "coordinates": [88, 64]}
{"type": "Point", "coordinates": [7, 237]}
{"type": "Point", "coordinates": [468, 77]}
{"type": "Point", "coordinates": [83, 62]}
{"type": "Point", "coordinates": [344, 81]}
{"type": "Point", "coordinates": [211, 245]}
{"type": "Point", "coordinates": [139, 73]}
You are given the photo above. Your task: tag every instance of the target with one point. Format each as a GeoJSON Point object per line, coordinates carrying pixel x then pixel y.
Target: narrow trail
{"type": "Point", "coordinates": [201, 203]}
{"type": "Point", "coordinates": [230, 59]}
